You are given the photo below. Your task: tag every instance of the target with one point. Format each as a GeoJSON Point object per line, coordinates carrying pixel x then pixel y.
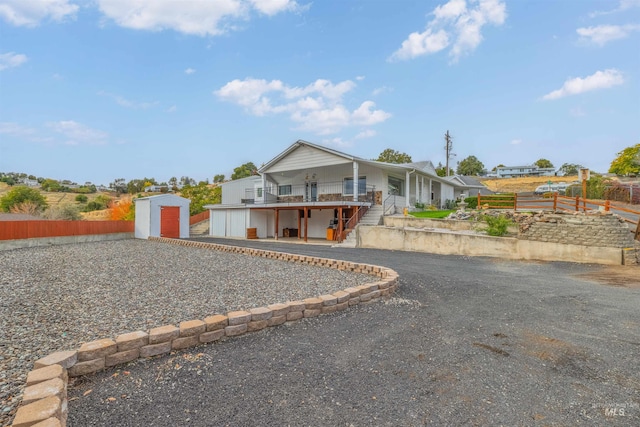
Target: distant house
{"type": "Point", "coordinates": [156, 189]}
{"type": "Point", "coordinates": [29, 182]}
{"type": "Point", "coordinates": [308, 187]}
{"type": "Point", "coordinates": [521, 171]}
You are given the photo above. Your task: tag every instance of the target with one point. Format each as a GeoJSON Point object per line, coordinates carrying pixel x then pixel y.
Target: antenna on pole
{"type": "Point", "coordinates": [448, 147]}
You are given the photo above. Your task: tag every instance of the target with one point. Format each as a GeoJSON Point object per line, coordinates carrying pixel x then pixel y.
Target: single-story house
{"type": "Point", "coordinates": [520, 171]}
{"type": "Point", "coordinates": [471, 186]}
{"type": "Point", "coordinates": [309, 188]}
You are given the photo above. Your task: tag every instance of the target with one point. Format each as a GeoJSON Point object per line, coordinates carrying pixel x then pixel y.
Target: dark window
{"type": "Point", "coordinates": [347, 185]}
{"type": "Point", "coordinates": [284, 190]}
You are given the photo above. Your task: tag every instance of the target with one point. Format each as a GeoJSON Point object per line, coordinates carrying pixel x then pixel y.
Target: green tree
{"type": "Point", "coordinates": [50, 185]}
{"type": "Point", "coordinates": [393, 156]}
{"type": "Point", "coordinates": [21, 194]}
{"type": "Point", "coordinates": [470, 166]}
{"type": "Point", "coordinates": [244, 171]}
{"type": "Point", "coordinates": [495, 168]}
{"type": "Point", "coordinates": [543, 163]}
{"type": "Point", "coordinates": [627, 162]}
{"type": "Point", "coordinates": [81, 198]}
{"type": "Point", "coordinates": [218, 178]}
{"type": "Point", "coordinates": [570, 169]}
{"type": "Point", "coordinates": [201, 195]}
{"type": "Point", "coordinates": [441, 170]}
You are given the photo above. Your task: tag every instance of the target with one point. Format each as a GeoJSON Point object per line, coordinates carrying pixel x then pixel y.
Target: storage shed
{"type": "Point", "coordinates": [164, 215]}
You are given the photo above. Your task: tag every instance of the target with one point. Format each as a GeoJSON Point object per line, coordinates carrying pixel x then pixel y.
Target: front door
{"type": "Point", "coordinates": [312, 191]}
{"type": "Point", "coordinates": [170, 221]}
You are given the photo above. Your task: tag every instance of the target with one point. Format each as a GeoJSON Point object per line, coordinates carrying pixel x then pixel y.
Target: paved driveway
{"type": "Point", "coordinates": [465, 341]}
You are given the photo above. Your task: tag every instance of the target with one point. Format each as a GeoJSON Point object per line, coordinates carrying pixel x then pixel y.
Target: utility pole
{"type": "Point", "coordinates": [448, 147]}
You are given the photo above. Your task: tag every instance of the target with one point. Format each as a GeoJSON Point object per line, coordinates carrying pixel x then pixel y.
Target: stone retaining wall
{"type": "Point", "coordinates": [600, 229]}
{"type": "Point", "coordinates": [45, 396]}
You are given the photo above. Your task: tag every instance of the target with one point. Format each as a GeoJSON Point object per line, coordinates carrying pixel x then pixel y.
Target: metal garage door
{"type": "Point", "coordinates": [218, 223]}
{"type": "Point", "coordinates": [237, 223]}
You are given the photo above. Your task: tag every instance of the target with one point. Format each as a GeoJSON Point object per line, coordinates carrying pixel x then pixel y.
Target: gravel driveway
{"type": "Point", "coordinates": [465, 341]}
{"type": "Point", "coordinates": [57, 297]}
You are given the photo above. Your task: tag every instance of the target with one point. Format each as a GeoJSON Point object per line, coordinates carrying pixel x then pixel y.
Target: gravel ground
{"type": "Point", "coordinates": [58, 297]}
{"type": "Point", "coordinates": [464, 342]}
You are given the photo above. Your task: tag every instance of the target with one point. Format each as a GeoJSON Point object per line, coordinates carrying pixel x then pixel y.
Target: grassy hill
{"type": "Point", "coordinates": [517, 185]}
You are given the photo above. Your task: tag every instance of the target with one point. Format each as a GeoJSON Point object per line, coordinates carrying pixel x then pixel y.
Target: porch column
{"type": "Point", "coordinates": [299, 229]}
{"type": "Point", "coordinates": [422, 189]}
{"type": "Point", "coordinates": [339, 239]}
{"type": "Point", "coordinates": [306, 223]}
{"type": "Point", "coordinates": [417, 192]}
{"type": "Point", "coordinates": [355, 181]}
{"type": "Point", "coordinates": [277, 213]}
{"type": "Point", "coordinates": [264, 188]}
{"type": "Point", "coordinates": [407, 188]}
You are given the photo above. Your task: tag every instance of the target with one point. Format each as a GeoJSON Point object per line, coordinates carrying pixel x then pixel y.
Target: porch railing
{"type": "Point", "coordinates": [353, 221]}
{"type": "Point", "coordinates": [393, 204]}
{"type": "Point", "coordinates": [309, 192]}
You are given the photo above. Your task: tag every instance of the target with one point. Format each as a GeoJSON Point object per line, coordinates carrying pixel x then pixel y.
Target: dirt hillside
{"type": "Point", "coordinates": [509, 185]}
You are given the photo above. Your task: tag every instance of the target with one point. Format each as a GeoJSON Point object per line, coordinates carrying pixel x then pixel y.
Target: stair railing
{"type": "Point", "coordinates": [353, 221]}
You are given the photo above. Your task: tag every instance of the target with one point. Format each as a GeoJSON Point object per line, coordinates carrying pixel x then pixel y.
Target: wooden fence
{"type": "Point", "coordinates": [199, 217]}
{"type": "Point", "coordinates": [556, 203]}
{"type": "Point", "coordinates": [14, 230]}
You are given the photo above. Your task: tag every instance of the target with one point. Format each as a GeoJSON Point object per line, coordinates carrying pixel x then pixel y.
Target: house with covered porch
{"type": "Point", "coordinates": [311, 191]}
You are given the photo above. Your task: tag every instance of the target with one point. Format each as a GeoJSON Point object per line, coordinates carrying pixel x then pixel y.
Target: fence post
{"type": "Point", "coordinates": [607, 205]}
{"type": "Point", "coordinates": [584, 204]}
{"type": "Point", "coordinates": [515, 201]}
{"type": "Point", "coordinates": [577, 203]}
{"type": "Point", "coordinates": [555, 202]}
{"type": "Point", "coordinates": [478, 207]}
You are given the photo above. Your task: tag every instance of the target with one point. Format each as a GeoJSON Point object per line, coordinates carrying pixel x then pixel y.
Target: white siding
{"type": "Point", "coordinates": [143, 218]}
{"type": "Point", "coordinates": [218, 222]}
{"type": "Point", "coordinates": [305, 157]}
{"type": "Point", "coordinates": [237, 225]}
{"type": "Point", "coordinates": [234, 191]}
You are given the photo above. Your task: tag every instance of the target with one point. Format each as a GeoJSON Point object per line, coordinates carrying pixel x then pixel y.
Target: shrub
{"type": "Point", "coordinates": [18, 195]}
{"type": "Point", "coordinates": [497, 225]}
{"type": "Point", "coordinates": [66, 212]}
{"type": "Point", "coordinates": [419, 205]}
{"type": "Point", "coordinates": [81, 198]}
{"type": "Point", "coordinates": [28, 208]}
{"type": "Point", "coordinates": [123, 210]}
{"type": "Point", "coordinates": [99, 203]}
{"type": "Point", "coordinates": [472, 202]}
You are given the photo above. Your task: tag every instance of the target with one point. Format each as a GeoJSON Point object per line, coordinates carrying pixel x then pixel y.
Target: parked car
{"type": "Point", "coordinates": [559, 188]}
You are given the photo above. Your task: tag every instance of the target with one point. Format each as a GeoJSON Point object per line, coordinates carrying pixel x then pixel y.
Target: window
{"type": "Point", "coordinates": [259, 192]}
{"type": "Point", "coordinates": [396, 186]}
{"type": "Point", "coordinates": [347, 185]}
{"type": "Point", "coordinates": [284, 190]}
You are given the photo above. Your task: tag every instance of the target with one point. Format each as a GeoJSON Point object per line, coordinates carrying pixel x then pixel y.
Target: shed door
{"type": "Point", "coordinates": [170, 221]}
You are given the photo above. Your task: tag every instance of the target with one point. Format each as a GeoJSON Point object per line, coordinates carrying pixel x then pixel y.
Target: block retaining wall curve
{"type": "Point", "coordinates": [45, 395]}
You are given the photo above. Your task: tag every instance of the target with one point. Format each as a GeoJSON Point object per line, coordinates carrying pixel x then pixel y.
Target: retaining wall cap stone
{"type": "Point", "coordinates": [66, 359]}
{"type": "Point", "coordinates": [47, 373]}
{"type": "Point", "coordinates": [40, 410]}
{"type": "Point", "coordinates": [52, 387]}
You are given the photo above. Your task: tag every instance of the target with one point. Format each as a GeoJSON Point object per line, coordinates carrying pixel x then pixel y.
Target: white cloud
{"type": "Point", "coordinates": [516, 142]}
{"type": "Point", "coordinates": [599, 80]}
{"type": "Point", "coordinates": [77, 133]}
{"type": "Point", "coordinates": [602, 34]}
{"type": "Point", "coordinates": [172, 109]}
{"type": "Point", "coordinates": [30, 13]}
{"type": "Point", "coordinates": [622, 6]}
{"type": "Point", "coordinates": [368, 133]}
{"type": "Point", "coordinates": [201, 18]}
{"type": "Point", "coordinates": [317, 107]}
{"type": "Point", "coordinates": [273, 7]}
{"type": "Point", "coordinates": [124, 102]}
{"type": "Point", "coordinates": [11, 59]}
{"type": "Point", "coordinates": [382, 89]}
{"type": "Point", "coordinates": [455, 24]}
{"type": "Point", "coordinates": [189, 71]}
{"type": "Point", "coordinates": [359, 78]}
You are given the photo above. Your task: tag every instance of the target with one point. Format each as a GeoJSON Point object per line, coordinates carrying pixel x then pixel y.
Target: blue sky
{"type": "Point", "coordinates": [100, 89]}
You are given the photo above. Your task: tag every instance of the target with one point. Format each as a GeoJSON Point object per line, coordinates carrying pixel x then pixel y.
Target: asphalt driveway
{"type": "Point", "coordinates": [465, 341]}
